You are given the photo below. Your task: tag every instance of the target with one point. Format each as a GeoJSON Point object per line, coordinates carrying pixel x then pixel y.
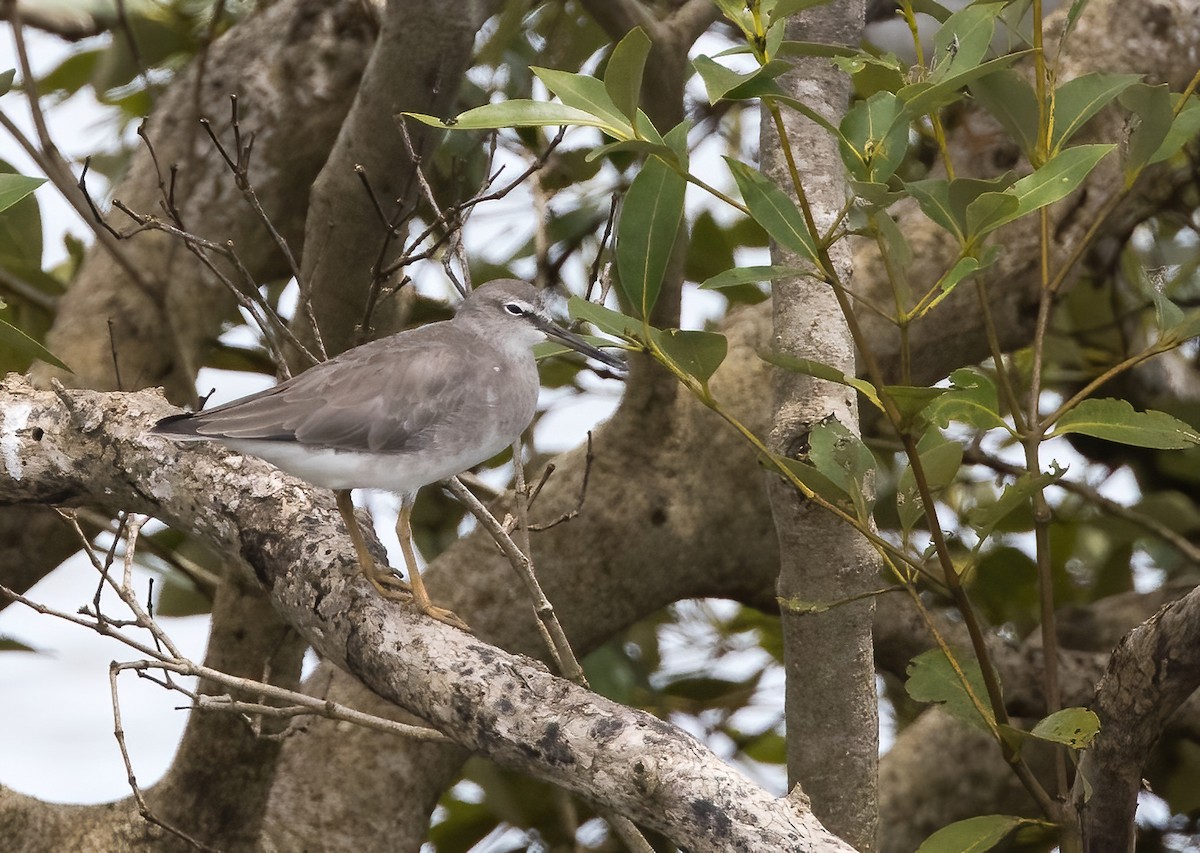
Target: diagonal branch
{"type": "Point", "coordinates": [92, 447]}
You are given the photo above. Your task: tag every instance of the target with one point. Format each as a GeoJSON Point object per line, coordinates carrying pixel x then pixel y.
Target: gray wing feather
{"type": "Point", "coordinates": [384, 396]}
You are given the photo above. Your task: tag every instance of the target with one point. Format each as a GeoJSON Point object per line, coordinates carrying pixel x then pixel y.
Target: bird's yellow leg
{"type": "Point", "coordinates": [386, 583]}
{"type": "Point", "coordinates": [420, 596]}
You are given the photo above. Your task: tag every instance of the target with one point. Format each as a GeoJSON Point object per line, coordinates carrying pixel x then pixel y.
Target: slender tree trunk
{"type": "Point", "coordinates": [832, 714]}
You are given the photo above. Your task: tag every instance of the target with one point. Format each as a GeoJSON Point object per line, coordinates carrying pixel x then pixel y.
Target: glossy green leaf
{"type": "Point", "coordinates": [971, 400]}
{"type": "Point", "coordinates": [751, 275]}
{"type": "Point", "coordinates": [16, 340]}
{"type": "Point", "coordinates": [623, 76]}
{"type": "Point", "coordinates": [605, 319]}
{"type": "Point", "coordinates": [1059, 177]}
{"type": "Point", "coordinates": [1079, 99]}
{"type": "Point", "coordinates": [964, 39]}
{"type": "Point", "coordinates": [697, 354]}
{"type": "Point", "coordinates": [717, 78]}
{"type": "Point", "coordinates": [932, 678]}
{"type": "Point", "coordinates": [1152, 107]}
{"type": "Point", "coordinates": [1073, 727]}
{"type": "Point", "coordinates": [1012, 101]}
{"type": "Point", "coordinates": [820, 370]}
{"type": "Point", "coordinates": [774, 210]}
{"type": "Point", "coordinates": [973, 835]}
{"type": "Point", "coordinates": [585, 93]}
{"type": "Point", "coordinates": [521, 113]}
{"type": "Point", "coordinates": [646, 232]}
{"type": "Point", "coordinates": [13, 188]}
{"type": "Point", "coordinates": [988, 211]}
{"type": "Point", "coordinates": [1116, 420]}
{"type": "Point", "coordinates": [676, 139]}
{"type": "Point", "coordinates": [874, 137]}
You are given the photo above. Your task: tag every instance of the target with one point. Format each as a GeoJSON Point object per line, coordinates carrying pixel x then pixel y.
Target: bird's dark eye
{"type": "Point", "coordinates": [513, 308]}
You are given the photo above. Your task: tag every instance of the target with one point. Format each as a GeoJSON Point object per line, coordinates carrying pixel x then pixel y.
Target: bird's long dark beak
{"type": "Point", "coordinates": [572, 340]}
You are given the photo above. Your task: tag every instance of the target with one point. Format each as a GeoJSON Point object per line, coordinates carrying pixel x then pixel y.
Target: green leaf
{"type": "Point", "coordinates": [21, 234]}
{"type": "Point", "coordinates": [605, 319]}
{"type": "Point", "coordinates": [926, 96]}
{"type": "Point", "coordinates": [841, 456]}
{"type": "Point", "coordinates": [1057, 178]}
{"type": "Point", "coordinates": [1186, 327]}
{"type": "Point", "coordinates": [677, 140]}
{"type": "Point", "coordinates": [911, 400]}
{"type": "Point", "coordinates": [587, 94]}
{"type": "Point", "coordinates": [1183, 130]}
{"type": "Point", "coordinates": [522, 113]}
{"type": "Point", "coordinates": [6, 80]}
{"type": "Point", "coordinates": [940, 460]}
{"type": "Point", "coordinates": [874, 137]}
{"type": "Point", "coordinates": [820, 370]}
{"type": "Point", "coordinates": [71, 75]}
{"type": "Point", "coordinates": [774, 211]}
{"type": "Point", "coordinates": [964, 38]}
{"type": "Point", "coordinates": [932, 678]}
{"type": "Point", "coordinates": [966, 207]}
{"type": "Point", "coordinates": [985, 518]}
{"type": "Point", "coordinates": [963, 268]}
{"type": "Point", "coordinates": [10, 644]}
{"type": "Point", "coordinates": [988, 211]}
{"type": "Point", "coordinates": [971, 400]}
{"type": "Point", "coordinates": [697, 354]}
{"type": "Point", "coordinates": [819, 483]}
{"type": "Point", "coordinates": [13, 188]}
{"type": "Point", "coordinates": [1073, 727]}
{"type": "Point", "coordinates": [1012, 101]}
{"type": "Point", "coordinates": [623, 76]}
{"type": "Point", "coordinates": [15, 339]}
{"type": "Point", "coordinates": [1152, 106]}
{"type": "Point", "coordinates": [646, 232]}
{"type": "Point", "coordinates": [1116, 420]}
{"type": "Point", "coordinates": [1079, 99]}
{"type": "Point", "coordinates": [752, 275]}
{"type": "Point", "coordinates": [973, 835]}
{"type": "Point", "coordinates": [933, 197]}
{"type": "Point", "coordinates": [717, 78]}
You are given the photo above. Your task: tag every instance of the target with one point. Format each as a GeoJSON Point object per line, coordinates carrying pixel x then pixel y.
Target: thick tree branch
{"type": "Point", "coordinates": [1153, 670]}
{"type": "Point", "coordinates": [94, 448]}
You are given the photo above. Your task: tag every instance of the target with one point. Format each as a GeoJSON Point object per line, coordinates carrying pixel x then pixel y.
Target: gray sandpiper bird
{"type": "Point", "coordinates": [400, 413]}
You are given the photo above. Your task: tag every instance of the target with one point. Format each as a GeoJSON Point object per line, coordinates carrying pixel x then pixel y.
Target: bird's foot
{"type": "Point", "coordinates": [390, 586]}
{"type": "Point", "coordinates": [445, 616]}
